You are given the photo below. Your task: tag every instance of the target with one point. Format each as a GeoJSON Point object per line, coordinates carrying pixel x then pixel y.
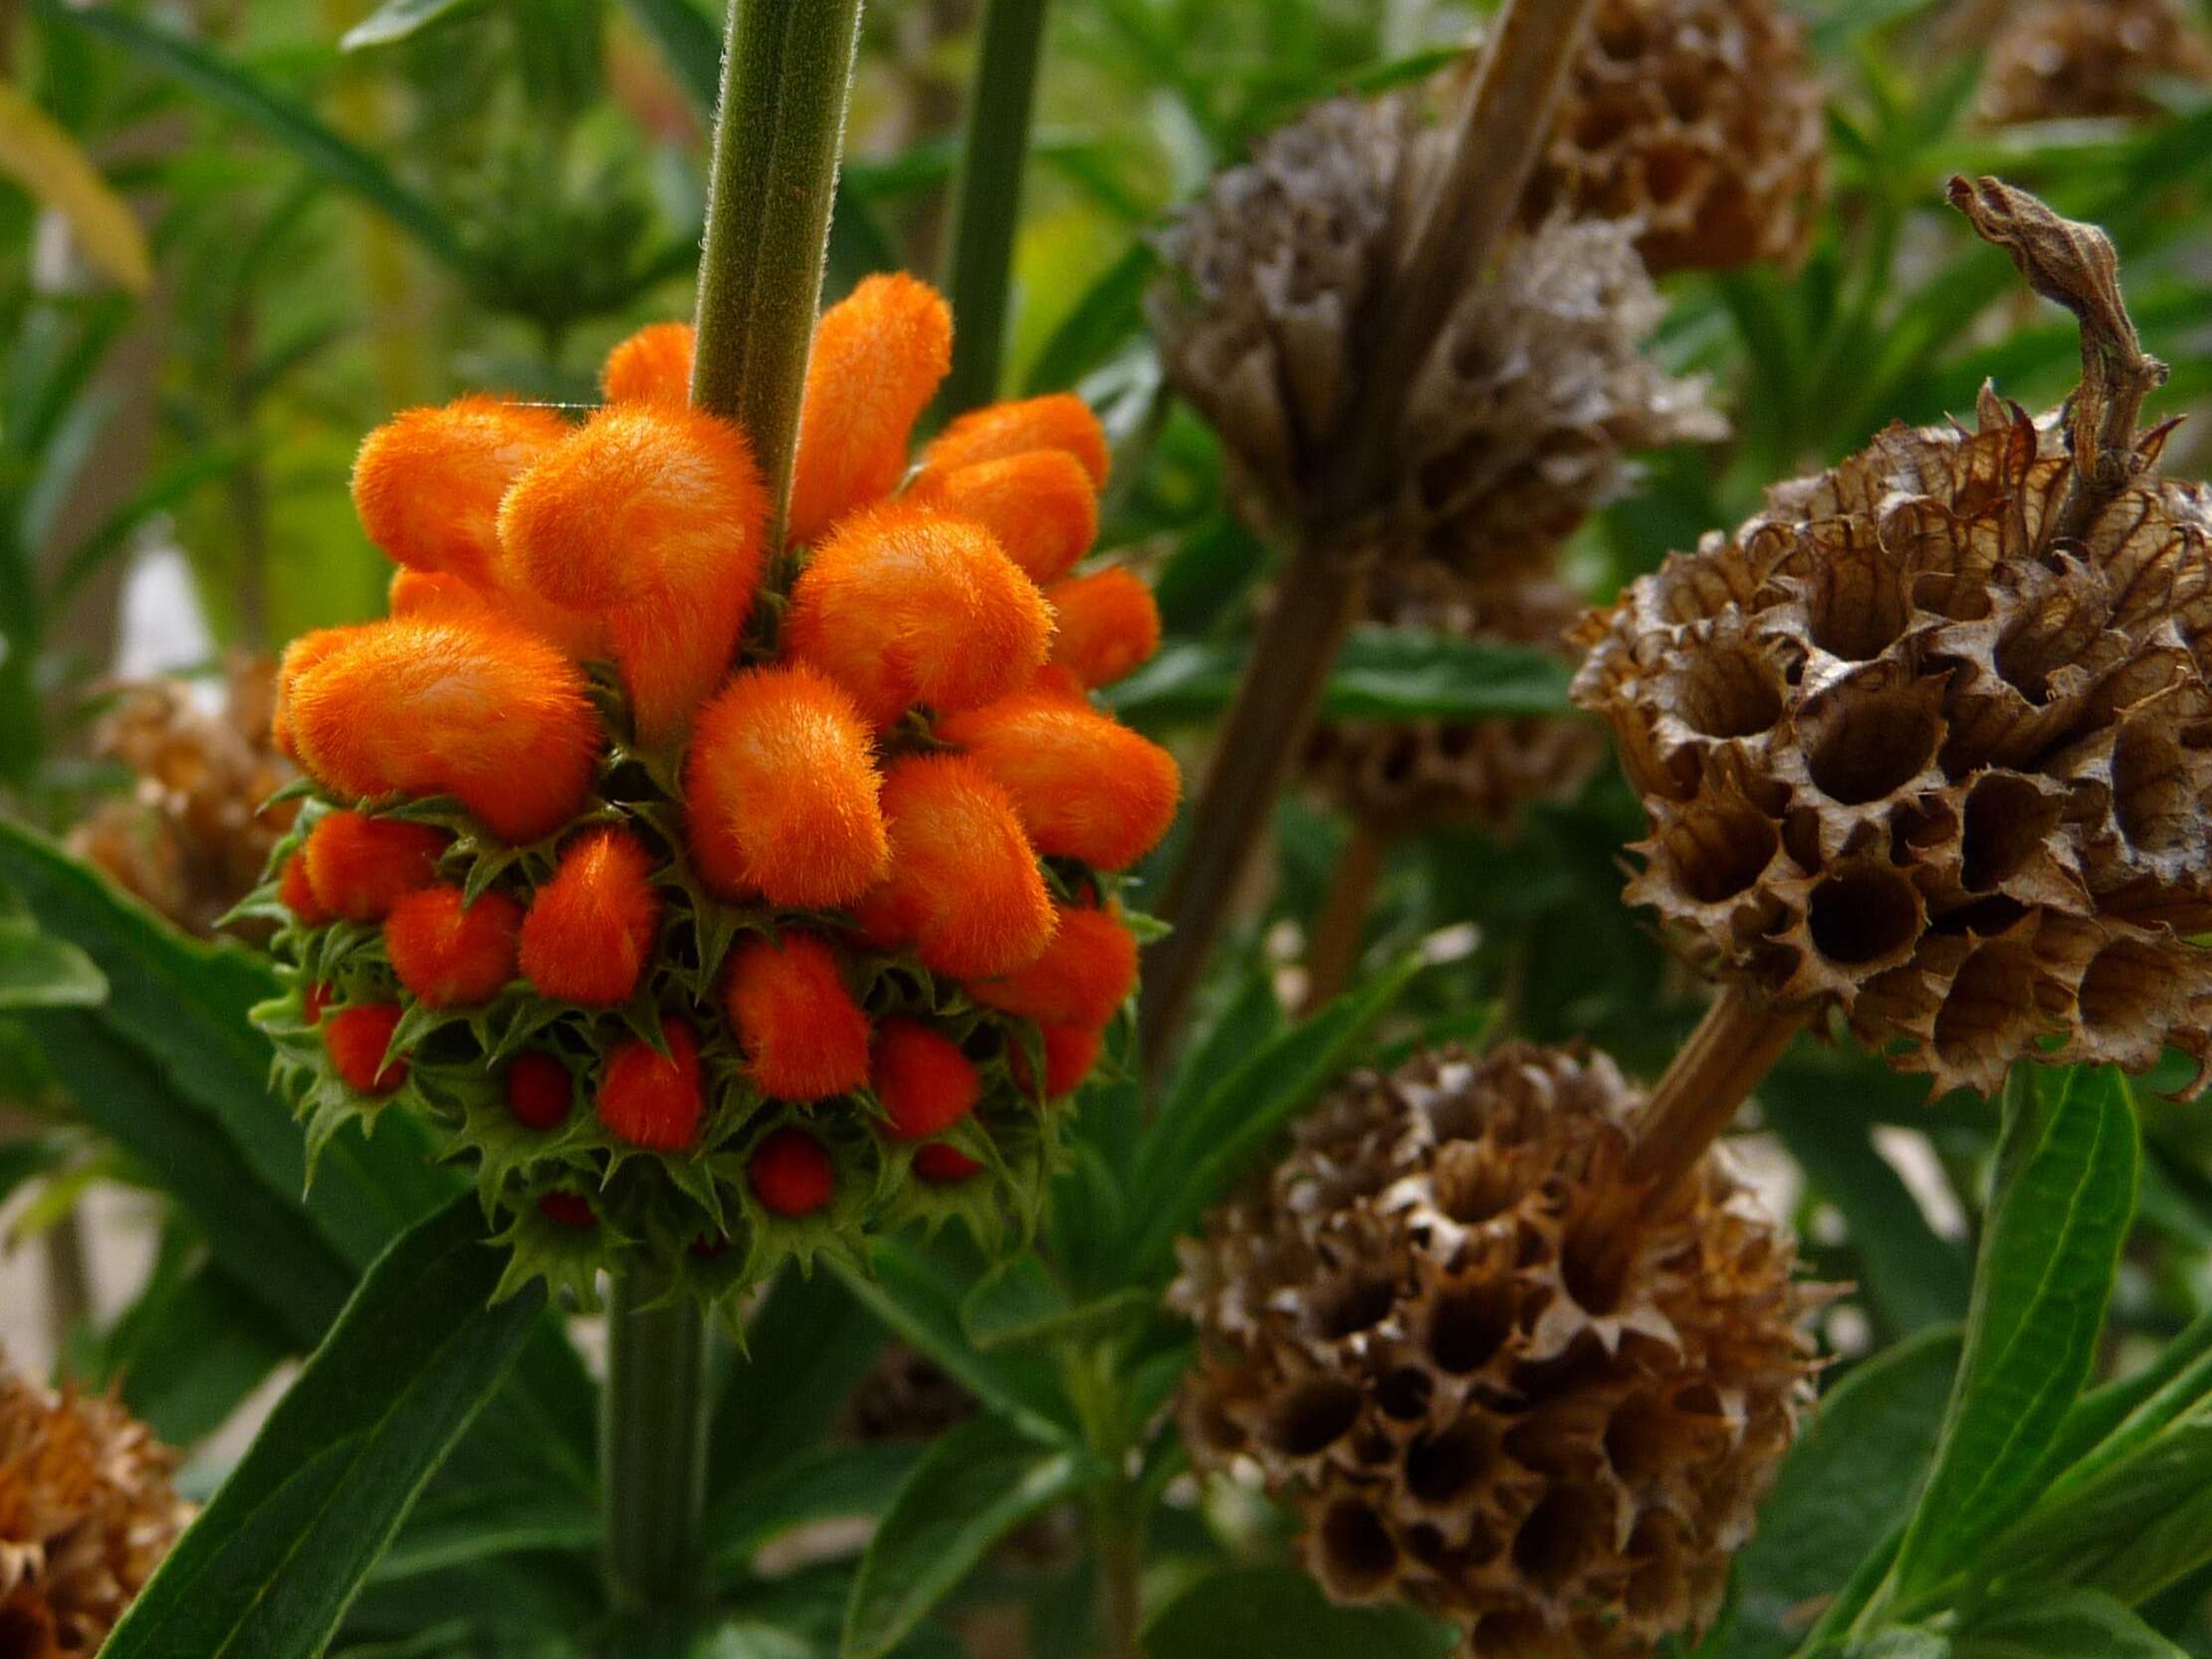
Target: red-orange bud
{"type": "Point", "coordinates": [941, 1165]}
{"type": "Point", "coordinates": [314, 1000]}
{"type": "Point", "coordinates": [790, 1174]}
{"type": "Point", "coordinates": [538, 1092]}
{"type": "Point", "coordinates": [299, 657]}
{"type": "Point", "coordinates": [781, 791]}
{"type": "Point", "coordinates": [427, 483]}
{"type": "Point", "coordinates": [964, 887]}
{"type": "Point", "coordinates": [803, 1036]}
{"type": "Point", "coordinates": [568, 1209]}
{"type": "Point", "coordinates": [360, 867]}
{"type": "Point", "coordinates": [653, 365]}
{"type": "Point", "coordinates": [451, 953]}
{"type": "Point", "coordinates": [297, 893]}
{"type": "Point", "coordinates": [925, 1083]}
{"type": "Point", "coordinates": [1059, 420]}
{"type": "Point", "coordinates": [903, 607]}
{"type": "Point", "coordinates": [1040, 506]}
{"type": "Point", "coordinates": [1084, 785]}
{"type": "Point", "coordinates": [1108, 625]}
{"type": "Point", "coordinates": [1083, 976]}
{"type": "Point", "coordinates": [356, 1039]}
{"type": "Point", "coordinates": [878, 356]}
{"type": "Point", "coordinates": [591, 929]}
{"type": "Point", "coordinates": [1069, 1054]}
{"type": "Point", "coordinates": [650, 1099]}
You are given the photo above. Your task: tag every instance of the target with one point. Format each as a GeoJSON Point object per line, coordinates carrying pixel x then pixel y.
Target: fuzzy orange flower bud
{"type": "Point", "coordinates": [650, 514]}
{"type": "Point", "coordinates": [651, 1099]}
{"type": "Point", "coordinates": [415, 592]}
{"type": "Point", "coordinates": [943, 1165]}
{"type": "Point", "coordinates": [449, 952]}
{"type": "Point", "coordinates": [473, 708]}
{"type": "Point", "coordinates": [1080, 980]}
{"type": "Point", "coordinates": [1084, 785]}
{"type": "Point", "coordinates": [591, 929]}
{"type": "Point", "coordinates": [653, 365]}
{"type": "Point", "coordinates": [1041, 506]}
{"type": "Point", "coordinates": [790, 1174]}
{"type": "Point", "coordinates": [803, 1036]}
{"type": "Point", "coordinates": [299, 657]}
{"type": "Point", "coordinates": [878, 356]}
{"type": "Point", "coordinates": [427, 483]}
{"type": "Point", "coordinates": [313, 999]}
{"type": "Point", "coordinates": [297, 893]}
{"type": "Point", "coordinates": [356, 1039]}
{"type": "Point", "coordinates": [538, 1092]}
{"type": "Point", "coordinates": [964, 885]}
{"type": "Point", "coordinates": [360, 867]}
{"type": "Point", "coordinates": [781, 789]}
{"type": "Point", "coordinates": [1108, 625]}
{"type": "Point", "coordinates": [925, 1083]}
{"type": "Point", "coordinates": [1059, 420]}
{"type": "Point", "coordinates": [1069, 1054]}
{"type": "Point", "coordinates": [903, 607]}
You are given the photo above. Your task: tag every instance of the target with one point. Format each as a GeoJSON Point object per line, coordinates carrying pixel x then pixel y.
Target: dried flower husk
{"type": "Point", "coordinates": [2061, 59]}
{"type": "Point", "coordinates": [1410, 1332]}
{"type": "Point", "coordinates": [86, 1512]}
{"type": "Point", "coordinates": [1910, 753]}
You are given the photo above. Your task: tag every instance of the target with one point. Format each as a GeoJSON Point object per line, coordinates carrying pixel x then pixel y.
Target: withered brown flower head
{"type": "Point", "coordinates": [1700, 121]}
{"type": "Point", "coordinates": [1524, 409]}
{"type": "Point", "coordinates": [1410, 773]}
{"type": "Point", "coordinates": [1478, 1404]}
{"type": "Point", "coordinates": [86, 1512]}
{"type": "Point", "coordinates": [2054, 60]}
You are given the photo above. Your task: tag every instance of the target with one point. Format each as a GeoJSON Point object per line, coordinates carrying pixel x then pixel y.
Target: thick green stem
{"type": "Point", "coordinates": [786, 79]}
{"type": "Point", "coordinates": [653, 1447]}
{"type": "Point", "coordinates": [987, 205]}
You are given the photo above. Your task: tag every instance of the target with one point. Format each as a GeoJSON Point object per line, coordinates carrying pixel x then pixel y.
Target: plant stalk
{"type": "Point", "coordinates": [1734, 1046]}
{"type": "Point", "coordinates": [1333, 952]}
{"type": "Point", "coordinates": [786, 75]}
{"type": "Point", "coordinates": [987, 201]}
{"type": "Point", "coordinates": [653, 1446]}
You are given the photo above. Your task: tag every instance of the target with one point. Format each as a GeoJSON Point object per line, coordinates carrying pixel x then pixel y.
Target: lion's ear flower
{"type": "Point", "coordinates": [803, 1036]}
{"type": "Point", "coordinates": [964, 887]}
{"type": "Point", "coordinates": [360, 867]}
{"type": "Point", "coordinates": [878, 357]}
{"type": "Point", "coordinates": [591, 929]}
{"type": "Point", "coordinates": [451, 952]}
{"type": "Point", "coordinates": [1059, 420]}
{"type": "Point", "coordinates": [790, 1174]}
{"type": "Point", "coordinates": [651, 1099]}
{"type": "Point", "coordinates": [1084, 785]}
{"type": "Point", "coordinates": [1107, 625]}
{"type": "Point", "coordinates": [653, 365]}
{"type": "Point", "coordinates": [1069, 1054]}
{"type": "Point", "coordinates": [780, 791]}
{"type": "Point", "coordinates": [1041, 507]}
{"type": "Point", "coordinates": [299, 657]}
{"type": "Point", "coordinates": [429, 483]}
{"type": "Point", "coordinates": [1084, 975]}
{"type": "Point", "coordinates": [539, 1092]}
{"type": "Point", "coordinates": [926, 1085]}
{"type": "Point", "coordinates": [903, 607]}
{"type": "Point", "coordinates": [356, 1039]}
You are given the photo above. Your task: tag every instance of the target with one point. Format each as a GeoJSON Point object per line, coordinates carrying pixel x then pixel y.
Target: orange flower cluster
{"type": "Point", "coordinates": [794, 866]}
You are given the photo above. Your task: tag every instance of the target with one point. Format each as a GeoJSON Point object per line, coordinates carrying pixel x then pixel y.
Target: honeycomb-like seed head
{"type": "Point", "coordinates": [1908, 753]}
{"type": "Point", "coordinates": [1409, 1330]}
{"type": "Point", "coordinates": [1440, 772]}
{"type": "Point", "coordinates": [2073, 60]}
{"type": "Point", "coordinates": [1697, 120]}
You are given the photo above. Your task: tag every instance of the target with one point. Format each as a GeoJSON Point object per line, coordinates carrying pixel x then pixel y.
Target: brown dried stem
{"type": "Point", "coordinates": [1736, 1044]}
{"type": "Point", "coordinates": [1333, 951]}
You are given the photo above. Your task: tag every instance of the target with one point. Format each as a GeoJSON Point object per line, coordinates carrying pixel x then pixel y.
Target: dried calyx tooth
{"type": "Point", "coordinates": [1927, 740]}
{"type": "Point", "coordinates": [1404, 774]}
{"type": "Point", "coordinates": [2072, 60]}
{"type": "Point", "coordinates": [1412, 1331]}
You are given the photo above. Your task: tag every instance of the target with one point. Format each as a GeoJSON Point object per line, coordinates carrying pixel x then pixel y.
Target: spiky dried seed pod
{"type": "Point", "coordinates": [86, 1512]}
{"type": "Point", "coordinates": [1910, 752]}
{"type": "Point", "coordinates": [1409, 1330]}
{"type": "Point", "coordinates": [1521, 416]}
{"type": "Point", "coordinates": [1411, 773]}
{"type": "Point", "coordinates": [2063, 59]}
{"type": "Point", "coordinates": [1698, 121]}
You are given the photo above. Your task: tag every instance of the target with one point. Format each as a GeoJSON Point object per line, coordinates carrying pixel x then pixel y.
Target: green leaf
{"type": "Point", "coordinates": [1839, 1495]}
{"type": "Point", "coordinates": [972, 1488]}
{"type": "Point", "coordinates": [1273, 1612]}
{"type": "Point", "coordinates": [820, 1483]}
{"type": "Point", "coordinates": [807, 1349]}
{"type": "Point", "coordinates": [1900, 1642]}
{"type": "Point", "coordinates": [2060, 1624]}
{"type": "Point", "coordinates": [1109, 312]}
{"type": "Point", "coordinates": [1020, 1302]}
{"type": "Point", "coordinates": [232, 90]}
{"type": "Point", "coordinates": [40, 972]}
{"type": "Point", "coordinates": [190, 1350]}
{"type": "Point", "coordinates": [471, 1523]}
{"type": "Point", "coordinates": [2065, 1195]}
{"type": "Point", "coordinates": [269, 1568]}
{"type": "Point", "coordinates": [396, 20]}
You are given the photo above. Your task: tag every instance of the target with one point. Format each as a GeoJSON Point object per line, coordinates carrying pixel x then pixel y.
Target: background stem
{"type": "Point", "coordinates": [1333, 948]}
{"type": "Point", "coordinates": [785, 77]}
{"type": "Point", "coordinates": [987, 201]}
{"type": "Point", "coordinates": [653, 1446]}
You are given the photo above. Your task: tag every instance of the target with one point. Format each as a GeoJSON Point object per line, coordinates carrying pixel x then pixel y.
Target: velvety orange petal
{"type": "Point", "coordinates": [878, 357]}
{"type": "Point", "coordinates": [1084, 785]}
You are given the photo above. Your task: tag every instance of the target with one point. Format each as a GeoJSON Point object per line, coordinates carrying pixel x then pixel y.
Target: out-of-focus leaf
{"type": "Point", "coordinates": [1383, 674]}
{"type": "Point", "coordinates": [39, 155]}
{"type": "Point", "coordinates": [819, 1483]}
{"type": "Point", "coordinates": [190, 1350]}
{"type": "Point", "coordinates": [2060, 1624]}
{"type": "Point", "coordinates": [37, 971]}
{"type": "Point", "coordinates": [1095, 327]}
{"type": "Point", "coordinates": [806, 1347]}
{"type": "Point", "coordinates": [1273, 1612]}
{"type": "Point", "coordinates": [397, 20]}
{"type": "Point", "coordinates": [173, 483]}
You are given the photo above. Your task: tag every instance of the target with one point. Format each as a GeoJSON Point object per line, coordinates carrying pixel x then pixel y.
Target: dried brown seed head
{"type": "Point", "coordinates": [2059, 60]}
{"type": "Point", "coordinates": [1410, 1332]}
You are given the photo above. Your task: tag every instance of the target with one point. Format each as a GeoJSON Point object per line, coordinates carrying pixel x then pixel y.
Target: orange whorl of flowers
{"type": "Point", "coordinates": [360, 867]}
{"type": "Point", "coordinates": [539, 1091]}
{"type": "Point", "coordinates": [964, 887]}
{"type": "Point", "coordinates": [878, 357]}
{"type": "Point", "coordinates": [1083, 976]}
{"type": "Point", "coordinates": [1041, 507]}
{"type": "Point", "coordinates": [925, 1083]}
{"type": "Point", "coordinates": [1069, 1054]}
{"type": "Point", "coordinates": [414, 592]}
{"type": "Point", "coordinates": [650, 516]}
{"type": "Point", "coordinates": [652, 1100]}
{"type": "Point", "coordinates": [941, 1164]}
{"type": "Point", "coordinates": [1108, 625]}
{"type": "Point", "coordinates": [449, 952]}
{"type": "Point", "coordinates": [903, 607]}
{"type": "Point", "coordinates": [790, 1174]}
{"type": "Point", "coordinates": [653, 365]}
{"type": "Point", "coordinates": [356, 1039]}
{"type": "Point", "coordinates": [472, 708]}
{"type": "Point", "coordinates": [780, 791]}
{"type": "Point", "coordinates": [1059, 420]}
{"type": "Point", "coordinates": [591, 929]}
{"type": "Point", "coordinates": [297, 893]}
{"type": "Point", "coordinates": [1084, 785]}
{"type": "Point", "coordinates": [427, 483]}
{"type": "Point", "coordinates": [805, 1038]}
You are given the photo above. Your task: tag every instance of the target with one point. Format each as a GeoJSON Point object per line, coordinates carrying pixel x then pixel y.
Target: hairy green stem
{"type": "Point", "coordinates": [987, 202]}
{"type": "Point", "coordinates": [653, 1446]}
{"type": "Point", "coordinates": [786, 79]}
